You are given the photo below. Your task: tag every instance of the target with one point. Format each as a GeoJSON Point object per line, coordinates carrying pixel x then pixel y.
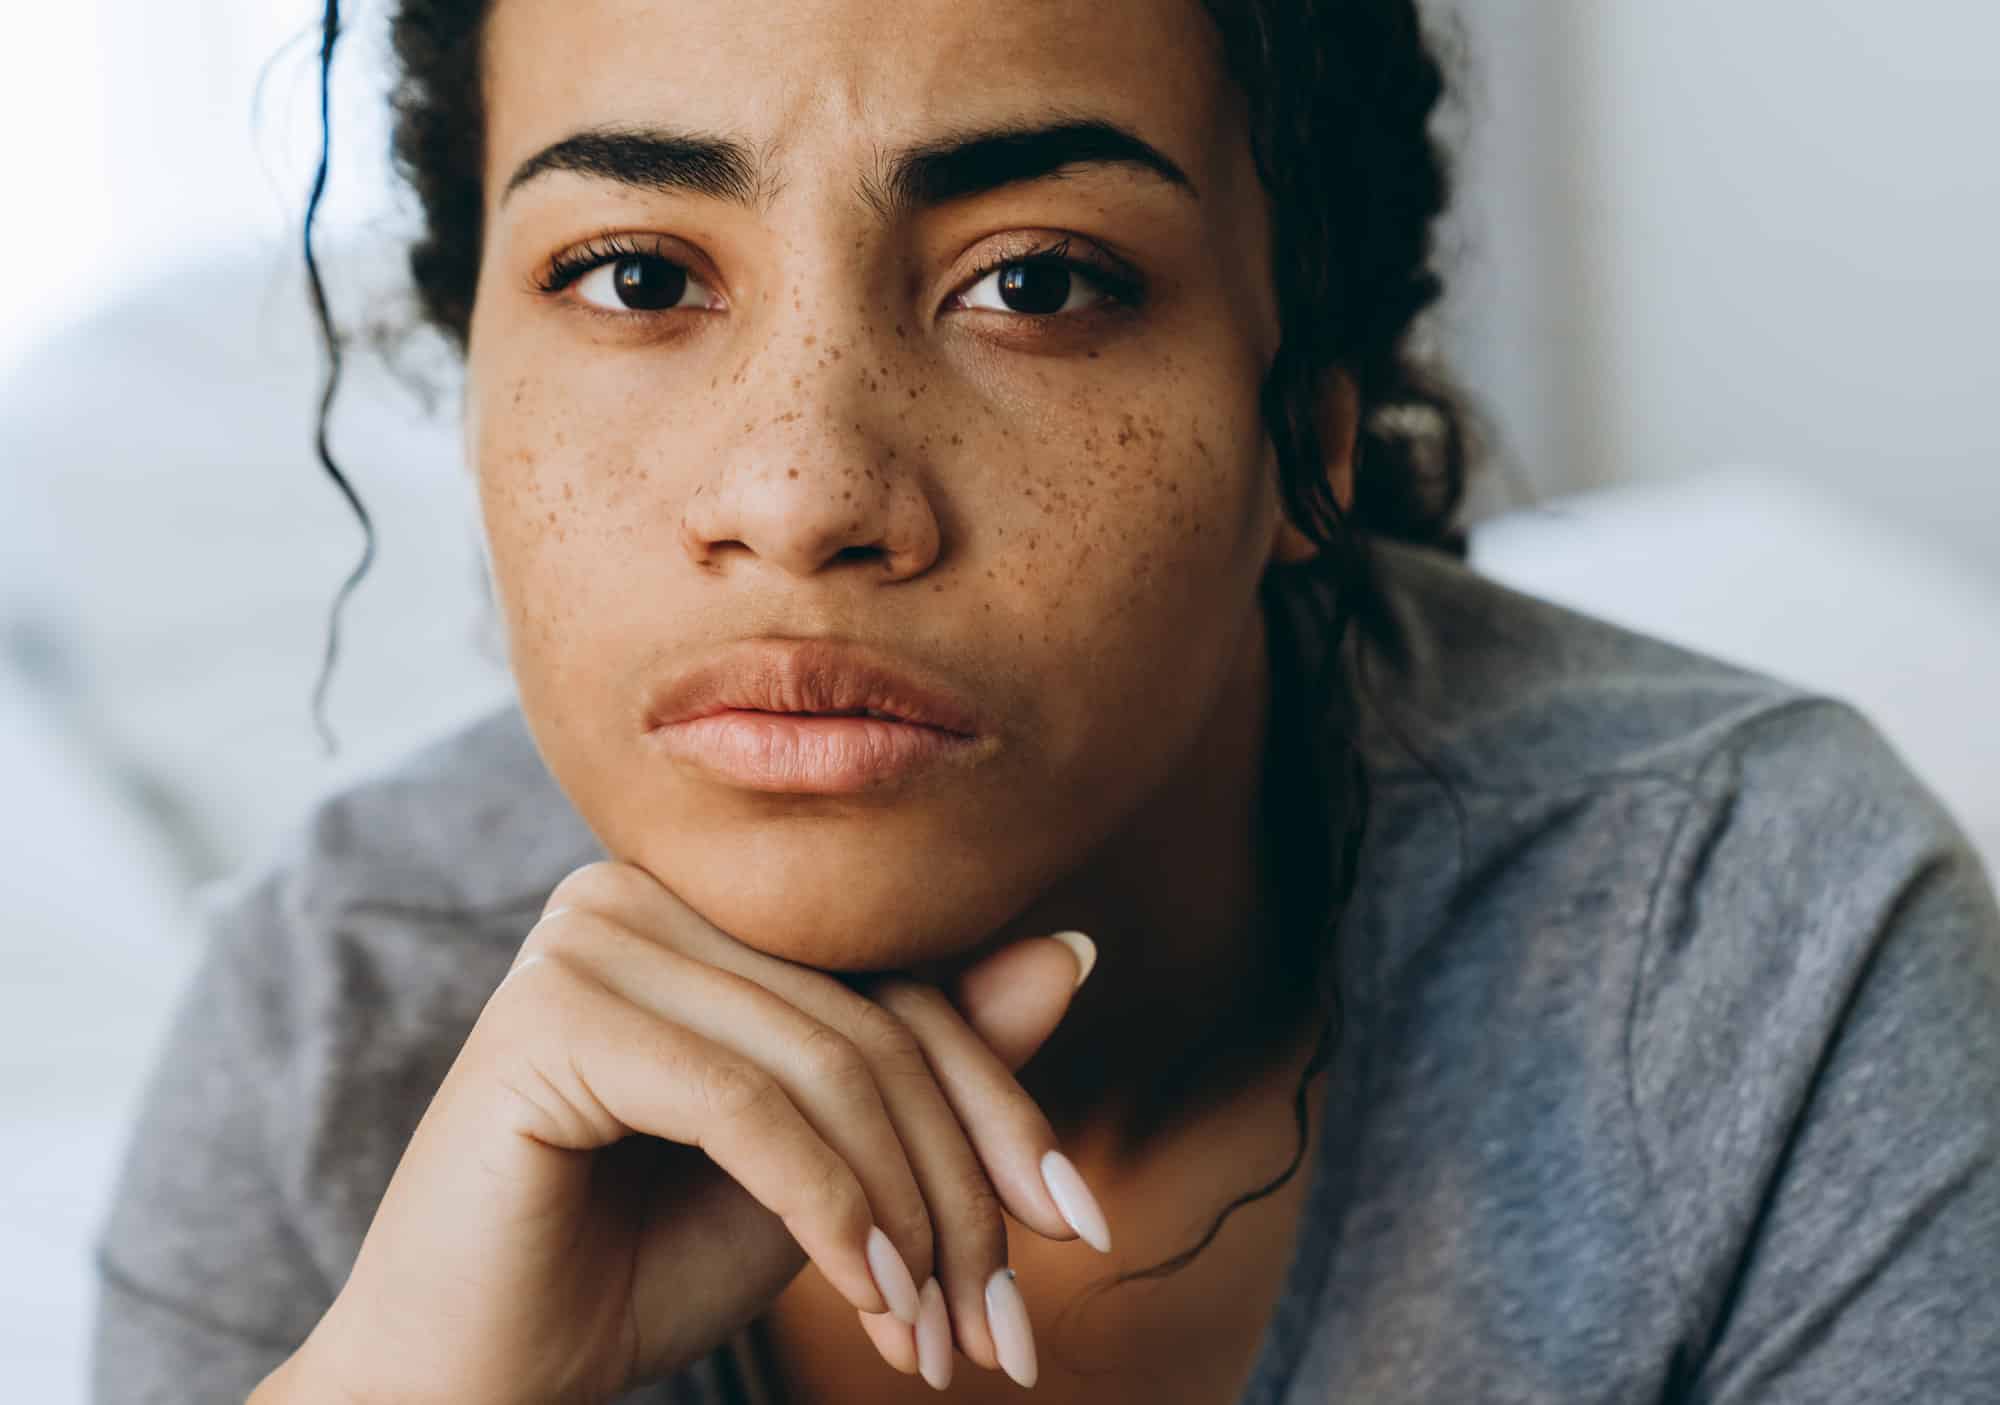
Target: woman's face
{"type": "Point", "coordinates": [777, 398]}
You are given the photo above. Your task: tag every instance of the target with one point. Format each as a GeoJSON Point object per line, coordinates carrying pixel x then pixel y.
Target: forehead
{"type": "Point", "coordinates": [813, 83]}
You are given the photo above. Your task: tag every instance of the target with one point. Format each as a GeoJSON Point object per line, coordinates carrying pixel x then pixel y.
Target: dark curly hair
{"type": "Point", "coordinates": [1341, 97]}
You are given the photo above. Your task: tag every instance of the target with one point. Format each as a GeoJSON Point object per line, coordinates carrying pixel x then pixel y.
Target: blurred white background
{"type": "Point", "coordinates": [1724, 277]}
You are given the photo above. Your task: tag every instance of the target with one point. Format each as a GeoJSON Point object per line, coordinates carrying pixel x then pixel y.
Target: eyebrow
{"type": "Point", "coordinates": [952, 167]}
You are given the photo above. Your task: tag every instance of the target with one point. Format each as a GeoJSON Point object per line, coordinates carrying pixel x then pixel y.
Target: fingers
{"type": "Point", "coordinates": [894, 1339]}
{"type": "Point", "coordinates": [831, 1082]}
{"type": "Point", "coordinates": [603, 1067]}
{"type": "Point", "coordinates": [970, 1139]}
{"type": "Point", "coordinates": [1013, 1138]}
{"type": "Point", "coordinates": [1015, 997]}
{"type": "Point", "coordinates": [925, 1350]}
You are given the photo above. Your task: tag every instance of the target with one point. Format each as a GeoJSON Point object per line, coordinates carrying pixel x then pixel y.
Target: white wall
{"type": "Point", "coordinates": [1711, 231]}
{"type": "Point", "coordinates": [136, 137]}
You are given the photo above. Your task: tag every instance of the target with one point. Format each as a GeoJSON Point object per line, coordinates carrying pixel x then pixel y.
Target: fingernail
{"type": "Point", "coordinates": [1007, 1319]}
{"type": "Point", "coordinates": [1083, 949]}
{"type": "Point", "coordinates": [933, 1336]}
{"type": "Point", "coordinates": [1074, 1199]}
{"type": "Point", "coordinates": [892, 1276]}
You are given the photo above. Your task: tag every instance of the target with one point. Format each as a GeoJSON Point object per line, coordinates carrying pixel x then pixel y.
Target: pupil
{"type": "Point", "coordinates": [1035, 284]}
{"type": "Point", "coordinates": [649, 284]}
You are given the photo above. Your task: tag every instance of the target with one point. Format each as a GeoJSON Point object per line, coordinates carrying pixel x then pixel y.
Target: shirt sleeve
{"type": "Point", "coordinates": [1816, 1065]}
{"type": "Point", "coordinates": [203, 1285]}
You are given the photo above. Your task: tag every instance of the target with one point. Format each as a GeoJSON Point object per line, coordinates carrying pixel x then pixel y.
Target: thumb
{"type": "Point", "coordinates": [1015, 998]}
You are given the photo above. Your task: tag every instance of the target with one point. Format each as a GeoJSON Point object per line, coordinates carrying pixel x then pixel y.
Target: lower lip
{"type": "Point", "coordinates": [809, 755]}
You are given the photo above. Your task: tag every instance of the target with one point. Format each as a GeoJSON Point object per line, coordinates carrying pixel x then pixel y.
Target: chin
{"type": "Point", "coordinates": [836, 911]}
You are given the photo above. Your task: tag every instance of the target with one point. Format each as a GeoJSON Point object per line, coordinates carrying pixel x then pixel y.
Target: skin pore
{"type": "Point", "coordinates": [841, 429]}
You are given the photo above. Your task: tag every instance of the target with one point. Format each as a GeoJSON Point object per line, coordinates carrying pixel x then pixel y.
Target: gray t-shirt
{"type": "Point", "coordinates": [1671, 1068]}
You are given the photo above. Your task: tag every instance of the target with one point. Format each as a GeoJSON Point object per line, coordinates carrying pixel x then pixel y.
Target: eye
{"type": "Point", "coordinates": [637, 283]}
{"type": "Point", "coordinates": [615, 276]}
{"type": "Point", "coordinates": [1046, 283]}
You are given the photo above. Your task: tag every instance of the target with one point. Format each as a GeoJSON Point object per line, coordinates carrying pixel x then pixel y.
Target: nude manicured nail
{"type": "Point", "coordinates": [1074, 1199]}
{"type": "Point", "coordinates": [933, 1336]}
{"type": "Point", "coordinates": [892, 1276]}
{"type": "Point", "coordinates": [1007, 1319]}
{"type": "Point", "coordinates": [1082, 948]}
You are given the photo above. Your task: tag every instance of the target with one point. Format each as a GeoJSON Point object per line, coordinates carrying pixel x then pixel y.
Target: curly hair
{"type": "Point", "coordinates": [1341, 97]}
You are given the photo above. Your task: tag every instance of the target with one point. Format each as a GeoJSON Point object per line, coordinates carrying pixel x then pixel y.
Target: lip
{"type": "Point", "coordinates": [746, 715]}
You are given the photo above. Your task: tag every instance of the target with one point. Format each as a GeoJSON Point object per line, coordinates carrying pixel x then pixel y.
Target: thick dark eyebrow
{"type": "Point", "coordinates": [951, 167]}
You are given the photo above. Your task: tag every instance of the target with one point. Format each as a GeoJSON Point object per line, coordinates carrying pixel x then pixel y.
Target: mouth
{"type": "Point", "coordinates": [813, 753]}
{"type": "Point", "coordinates": [811, 678]}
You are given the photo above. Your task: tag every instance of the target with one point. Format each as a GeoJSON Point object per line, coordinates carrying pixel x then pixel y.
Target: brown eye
{"type": "Point", "coordinates": [1036, 287]}
{"type": "Point", "coordinates": [635, 283]}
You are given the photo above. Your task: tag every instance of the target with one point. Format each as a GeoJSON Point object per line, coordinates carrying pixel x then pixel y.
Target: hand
{"type": "Point", "coordinates": [530, 1247]}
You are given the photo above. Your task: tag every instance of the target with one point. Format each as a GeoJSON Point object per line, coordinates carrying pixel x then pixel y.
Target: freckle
{"type": "Point", "coordinates": [793, 474]}
{"type": "Point", "coordinates": [1093, 356]}
{"type": "Point", "coordinates": [913, 393]}
{"type": "Point", "coordinates": [899, 330]}
{"type": "Point", "coordinates": [957, 439]}
{"type": "Point", "coordinates": [811, 340]}
{"type": "Point", "coordinates": [569, 492]}
{"type": "Point", "coordinates": [795, 382]}
{"type": "Point", "coordinates": [892, 453]}
{"type": "Point", "coordinates": [847, 496]}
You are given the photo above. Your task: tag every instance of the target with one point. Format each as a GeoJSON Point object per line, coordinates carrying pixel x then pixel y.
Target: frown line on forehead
{"type": "Point", "coordinates": [953, 166]}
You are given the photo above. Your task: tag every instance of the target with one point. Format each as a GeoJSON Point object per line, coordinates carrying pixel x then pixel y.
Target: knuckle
{"type": "Point", "coordinates": [828, 1056]}
{"type": "Point", "coordinates": [733, 1091]}
{"type": "Point", "coordinates": [602, 884]}
{"type": "Point", "coordinates": [542, 978]}
{"type": "Point", "coordinates": [887, 1039]}
{"type": "Point", "coordinates": [833, 1195]}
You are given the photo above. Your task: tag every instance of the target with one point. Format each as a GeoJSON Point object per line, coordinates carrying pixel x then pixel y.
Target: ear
{"type": "Point", "coordinates": [1337, 417]}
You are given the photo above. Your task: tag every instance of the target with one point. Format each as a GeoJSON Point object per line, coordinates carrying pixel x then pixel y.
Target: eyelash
{"type": "Point", "coordinates": [1121, 292]}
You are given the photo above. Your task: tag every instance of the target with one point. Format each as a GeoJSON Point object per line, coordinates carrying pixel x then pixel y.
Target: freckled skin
{"type": "Point", "coordinates": [1070, 524]}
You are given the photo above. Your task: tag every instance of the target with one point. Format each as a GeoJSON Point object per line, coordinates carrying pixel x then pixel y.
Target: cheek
{"type": "Point", "coordinates": [1133, 519]}
{"type": "Point", "coordinates": [545, 531]}
{"type": "Point", "coordinates": [1128, 571]}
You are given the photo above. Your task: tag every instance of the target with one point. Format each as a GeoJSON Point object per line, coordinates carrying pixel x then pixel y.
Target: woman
{"type": "Point", "coordinates": [1485, 1003]}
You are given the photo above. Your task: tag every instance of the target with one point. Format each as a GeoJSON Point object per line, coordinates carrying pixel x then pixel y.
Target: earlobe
{"type": "Point", "coordinates": [1338, 425]}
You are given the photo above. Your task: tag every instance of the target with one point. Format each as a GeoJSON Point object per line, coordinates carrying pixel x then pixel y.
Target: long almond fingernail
{"type": "Point", "coordinates": [1083, 949]}
{"type": "Point", "coordinates": [892, 1276]}
{"type": "Point", "coordinates": [933, 1336]}
{"type": "Point", "coordinates": [1074, 1199]}
{"type": "Point", "coordinates": [1007, 1318]}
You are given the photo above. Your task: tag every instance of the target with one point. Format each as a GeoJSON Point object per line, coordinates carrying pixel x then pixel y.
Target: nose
{"type": "Point", "coordinates": [824, 483]}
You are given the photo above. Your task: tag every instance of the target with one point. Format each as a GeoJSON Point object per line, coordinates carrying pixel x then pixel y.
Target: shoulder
{"type": "Point", "coordinates": [469, 821]}
{"type": "Point", "coordinates": [345, 969]}
{"type": "Point", "coordinates": [1504, 691]}
{"type": "Point", "coordinates": [422, 863]}
{"type": "Point", "coordinates": [1745, 819]}
{"type": "Point", "coordinates": [412, 885]}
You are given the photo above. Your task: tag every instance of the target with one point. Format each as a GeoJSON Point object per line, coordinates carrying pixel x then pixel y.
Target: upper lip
{"type": "Point", "coordinates": [806, 676]}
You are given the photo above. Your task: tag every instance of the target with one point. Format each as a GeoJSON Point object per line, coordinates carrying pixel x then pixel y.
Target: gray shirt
{"type": "Point", "coordinates": [1671, 1069]}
